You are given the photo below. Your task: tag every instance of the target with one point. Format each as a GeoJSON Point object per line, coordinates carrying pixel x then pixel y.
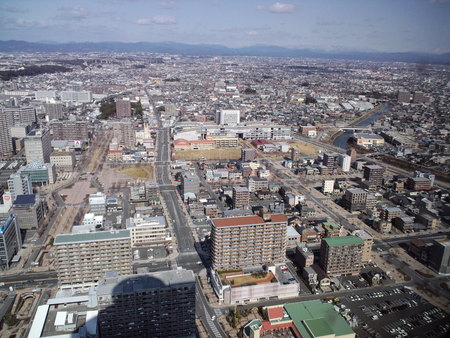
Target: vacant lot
{"type": "Point", "coordinates": [213, 154]}
{"type": "Point", "coordinates": [144, 172]}
{"type": "Point", "coordinates": [307, 149]}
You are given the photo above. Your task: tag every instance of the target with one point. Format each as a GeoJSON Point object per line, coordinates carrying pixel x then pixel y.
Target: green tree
{"type": "Point", "coordinates": [11, 319]}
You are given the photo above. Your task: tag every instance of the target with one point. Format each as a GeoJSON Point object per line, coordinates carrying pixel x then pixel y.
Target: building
{"type": "Point", "coordinates": [430, 176]}
{"type": "Point", "coordinates": [341, 255]}
{"type": "Point", "coordinates": [228, 117]}
{"type": "Point", "coordinates": [44, 173]}
{"type": "Point", "coordinates": [123, 108]}
{"type": "Point", "coordinates": [97, 203]}
{"type": "Point", "coordinates": [308, 131]}
{"type": "Point", "coordinates": [418, 98]}
{"type": "Point", "coordinates": [344, 162]}
{"type": "Point", "coordinates": [332, 229]}
{"type": "Point", "coordinates": [70, 130]}
{"type": "Point", "coordinates": [82, 259]}
{"type": "Point", "coordinates": [440, 256]}
{"type": "Point", "coordinates": [10, 117]}
{"type": "Point", "coordinates": [241, 197]}
{"type": "Point", "coordinates": [352, 153]}
{"type": "Point", "coordinates": [10, 241]}
{"type": "Point", "coordinates": [404, 96]}
{"type": "Point", "coordinates": [367, 140]}
{"type": "Point", "coordinates": [355, 199]}
{"type": "Point", "coordinates": [54, 111]}
{"type": "Point", "coordinates": [404, 223]}
{"type": "Point", "coordinates": [147, 231]}
{"type": "Point", "coordinates": [29, 211]}
{"type": "Point", "coordinates": [248, 241]}
{"type": "Point", "coordinates": [304, 257]}
{"type": "Point", "coordinates": [190, 183]}
{"type": "Point", "coordinates": [330, 160]}
{"type": "Point", "coordinates": [388, 214]}
{"type": "Point", "coordinates": [76, 96]}
{"type": "Point", "coordinates": [63, 160]}
{"type": "Point", "coordinates": [328, 186]}
{"type": "Point", "coordinates": [255, 183]}
{"type": "Point", "coordinates": [374, 174]}
{"type": "Point", "coordinates": [19, 184]}
{"type": "Point", "coordinates": [418, 183]}
{"type": "Point", "coordinates": [124, 133]}
{"type": "Point", "coordinates": [383, 227]}
{"type": "Point", "coordinates": [45, 95]}
{"type": "Point", "coordinates": [367, 247]}
{"type": "Point", "coordinates": [38, 146]}
{"type": "Point", "coordinates": [248, 154]}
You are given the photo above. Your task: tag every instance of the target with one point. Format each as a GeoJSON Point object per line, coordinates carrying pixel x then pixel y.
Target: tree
{"type": "Point", "coordinates": [137, 108]}
{"type": "Point", "coordinates": [10, 319]}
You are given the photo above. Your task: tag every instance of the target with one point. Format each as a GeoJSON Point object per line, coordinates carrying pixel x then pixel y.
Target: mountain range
{"type": "Point", "coordinates": [219, 50]}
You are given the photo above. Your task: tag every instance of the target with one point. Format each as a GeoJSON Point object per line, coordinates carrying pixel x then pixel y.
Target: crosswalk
{"type": "Point", "coordinates": [211, 324]}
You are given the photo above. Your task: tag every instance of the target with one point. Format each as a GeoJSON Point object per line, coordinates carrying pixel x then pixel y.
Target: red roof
{"type": "Point", "coordinates": [114, 151]}
{"type": "Point", "coordinates": [275, 312]}
{"type": "Point", "coordinates": [246, 220]}
{"type": "Point", "coordinates": [279, 218]}
{"type": "Point", "coordinates": [181, 141]}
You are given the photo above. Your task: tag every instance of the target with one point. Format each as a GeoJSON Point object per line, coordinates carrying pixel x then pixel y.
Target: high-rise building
{"type": "Point", "coordinates": [355, 199]}
{"type": "Point", "coordinates": [418, 183]}
{"type": "Point", "coordinates": [328, 186]}
{"type": "Point", "coordinates": [19, 184]}
{"type": "Point", "coordinates": [248, 241]}
{"type": "Point", "coordinates": [38, 146]}
{"type": "Point", "coordinates": [418, 98]}
{"type": "Point", "coordinates": [367, 247]}
{"type": "Point", "coordinates": [190, 183]}
{"type": "Point", "coordinates": [124, 133]}
{"type": "Point", "coordinates": [344, 162]}
{"type": "Point", "coordinates": [97, 203]}
{"type": "Point", "coordinates": [123, 108]}
{"type": "Point", "coordinates": [10, 241]}
{"type": "Point", "coordinates": [76, 96]}
{"type": "Point", "coordinates": [248, 154]}
{"type": "Point", "coordinates": [352, 153]}
{"type": "Point", "coordinates": [341, 255]}
{"type": "Point", "coordinates": [241, 197]}
{"type": "Point", "coordinates": [10, 117]}
{"type": "Point", "coordinates": [29, 211]}
{"type": "Point", "coordinates": [440, 256]}
{"type": "Point", "coordinates": [45, 95]}
{"type": "Point", "coordinates": [70, 130]}
{"type": "Point", "coordinates": [228, 117]}
{"type": "Point", "coordinates": [54, 111]}
{"type": "Point", "coordinates": [404, 97]}
{"type": "Point", "coordinates": [82, 259]}
{"type": "Point", "coordinates": [330, 160]}
{"type": "Point", "coordinates": [147, 230]}
{"type": "Point", "coordinates": [374, 173]}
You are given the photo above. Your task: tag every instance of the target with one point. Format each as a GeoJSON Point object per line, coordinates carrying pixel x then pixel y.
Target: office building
{"type": "Point", "coordinates": [367, 247]}
{"type": "Point", "coordinates": [330, 160]}
{"type": "Point", "coordinates": [190, 184]}
{"type": "Point", "coordinates": [248, 241]}
{"type": "Point", "coordinates": [248, 154]}
{"type": "Point", "coordinates": [44, 173]}
{"type": "Point", "coordinates": [355, 199]}
{"type": "Point", "coordinates": [76, 96]}
{"type": "Point", "coordinates": [241, 198]}
{"type": "Point", "coordinates": [54, 111]}
{"type": "Point", "coordinates": [29, 211]}
{"type": "Point", "coordinates": [341, 255]}
{"type": "Point", "coordinates": [440, 256]}
{"type": "Point", "coordinates": [124, 133]}
{"type": "Point", "coordinates": [70, 130]}
{"type": "Point", "coordinates": [97, 203]}
{"type": "Point", "coordinates": [82, 259]}
{"type": "Point", "coordinates": [374, 174]}
{"type": "Point", "coordinates": [123, 108]}
{"type": "Point", "coordinates": [328, 186]}
{"type": "Point", "coordinates": [344, 162]}
{"type": "Point", "coordinates": [19, 184]}
{"type": "Point", "coordinates": [63, 160]}
{"type": "Point", "coordinates": [304, 257]}
{"type": "Point", "coordinates": [228, 117]}
{"type": "Point", "coordinates": [10, 241]}
{"type": "Point", "coordinates": [38, 146]}
{"type": "Point", "coordinates": [147, 230]}
{"type": "Point", "coordinates": [10, 117]}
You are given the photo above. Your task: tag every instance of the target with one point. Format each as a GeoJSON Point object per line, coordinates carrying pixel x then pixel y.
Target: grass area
{"type": "Point", "coordinates": [212, 154]}
{"type": "Point", "coordinates": [424, 274]}
{"type": "Point", "coordinates": [307, 149]}
{"type": "Point", "coordinates": [143, 171]}
{"type": "Point", "coordinates": [251, 279]}
{"type": "Point", "coordinates": [405, 275]}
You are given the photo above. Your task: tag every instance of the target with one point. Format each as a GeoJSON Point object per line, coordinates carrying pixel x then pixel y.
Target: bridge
{"type": "Point", "coordinates": [356, 129]}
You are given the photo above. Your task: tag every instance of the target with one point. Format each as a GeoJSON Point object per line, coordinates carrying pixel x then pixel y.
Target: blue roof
{"type": "Point", "coordinates": [25, 199]}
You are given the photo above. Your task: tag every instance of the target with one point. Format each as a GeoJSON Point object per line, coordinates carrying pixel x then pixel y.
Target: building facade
{"type": "Point", "coordinates": [70, 130]}
{"type": "Point", "coordinates": [29, 211]}
{"type": "Point", "coordinates": [38, 146]}
{"type": "Point", "coordinates": [10, 241]}
{"type": "Point", "coordinates": [341, 255]}
{"type": "Point", "coordinates": [19, 184]}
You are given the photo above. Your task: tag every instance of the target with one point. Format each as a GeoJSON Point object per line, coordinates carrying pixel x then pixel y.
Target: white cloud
{"type": "Point", "coordinates": [11, 9]}
{"type": "Point", "coordinates": [280, 7]}
{"type": "Point", "coordinates": [168, 4]}
{"type": "Point", "coordinates": [164, 20]}
{"type": "Point", "coordinates": [73, 12]}
{"type": "Point", "coordinates": [144, 21]}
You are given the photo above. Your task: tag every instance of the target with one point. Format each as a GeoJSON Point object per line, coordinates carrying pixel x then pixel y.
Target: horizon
{"type": "Point", "coordinates": [402, 26]}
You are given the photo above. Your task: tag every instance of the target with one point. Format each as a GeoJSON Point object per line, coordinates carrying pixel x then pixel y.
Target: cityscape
{"type": "Point", "coordinates": [194, 190]}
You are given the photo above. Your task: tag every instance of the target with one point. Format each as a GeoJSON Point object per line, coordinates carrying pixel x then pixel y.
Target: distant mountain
{"type": "Point", "coordinates": [217, 50]}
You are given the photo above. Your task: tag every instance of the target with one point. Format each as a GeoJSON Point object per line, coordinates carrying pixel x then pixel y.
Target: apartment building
{"type": "Point", "coordinates": [147, 231]}
{"type": "Point", "coordinates": [374, 174]}
{"type": "Point", "coordinates": [341, 255]}
{"type": "Point", "coordinates": [255, 183]}
{"type": "Point", "coordinates": [123, 108]}
{"type": "Point", "coordinates": [330, 160]}
{"type": "Point", "coordinates": [248, 241]}
{"type": "Point", "coordinates": [63, 160]}
{"type": "Point", "coordinates": [38, 146]}
{"type": "Point", "coordinates": [82, 259]}
{"type": "Point", "coordinates": [124, 133]}
{"type": "Point", "coordinates": [70, 130]}
{"type": "Point", "coordinates": [367, 247]}
{"type": "Point", "coordinates": [10, 241]}
{"type": "Point", "coordinates": [418, 183]}
{"type": "Point", "coordinates": [355, 199]}
{"type": "Point", "coordinates": [240, 198]}
{"type": "Point", "coordinates": [19, 184]}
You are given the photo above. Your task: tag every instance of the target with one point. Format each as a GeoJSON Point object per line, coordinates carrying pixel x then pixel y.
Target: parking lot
{"type": "Point", "coordinates": [397, 312]}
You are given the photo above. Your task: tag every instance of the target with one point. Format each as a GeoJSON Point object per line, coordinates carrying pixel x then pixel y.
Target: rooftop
{"type": "Point", "coordinates": [25, 199]}
{"type": "Point", "coordinates": [93, 236]}
{"type": "Point", "coordinates": [346, 240]}
{"type": "Point", "coordinates": [246, 220]}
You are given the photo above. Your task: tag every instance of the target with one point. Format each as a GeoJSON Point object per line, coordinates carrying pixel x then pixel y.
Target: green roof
{"type": "Point", "coordinates": [310, 318]}
{"type": "Point", "coordinates": [331, 225]}
{"type": "Point", "coordinates": [92, 236]}
{"type": "Point", "coordinates": [345, 240]}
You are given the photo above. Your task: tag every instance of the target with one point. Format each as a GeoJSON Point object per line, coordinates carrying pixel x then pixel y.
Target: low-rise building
{"type": "Point", "coordinates": [63, 160]}
{"type": "Point", "coordinates": [147, 231]}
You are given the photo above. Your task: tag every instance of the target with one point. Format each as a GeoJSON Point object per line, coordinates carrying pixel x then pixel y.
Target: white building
{"type": "Point", "coordinates": [344, 162]}
{"type": "Point", "coordinates": [228, 117]}
{"type": "Point", "coordinates": [92, 220]}
{"type": "Point", "coordinates": [45, 95]}
{"type": "Point", "coordinates": [97, 203]}
{"type": "Point", "coordinates": [147, 231]}
{"type": "Point", "coordinates": [327, 186]}
{"type": "Point", "coordinates": [19, 184]}
{"type": "Point", "coordinates": [38, 146]}
{"type": "Point", "coordinates": [75, 96]}
{"type": "Point", "coordinates": [63, 160]}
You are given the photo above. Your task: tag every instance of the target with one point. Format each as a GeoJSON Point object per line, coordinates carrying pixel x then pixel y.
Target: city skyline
{"type": "Point", "coordinates": [382, 26]}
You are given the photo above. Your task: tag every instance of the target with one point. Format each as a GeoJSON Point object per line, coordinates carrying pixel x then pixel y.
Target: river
{"type": "Point", "coordinates": [341, 141]}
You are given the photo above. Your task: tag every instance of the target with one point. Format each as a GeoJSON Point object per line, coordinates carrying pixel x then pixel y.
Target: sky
{"type": "Point", "coordinates": [330, 25]}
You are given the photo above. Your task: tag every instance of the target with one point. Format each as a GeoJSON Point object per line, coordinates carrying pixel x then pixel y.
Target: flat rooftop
{"type": "Point", "coordinates": [92, 236]}
{"type": "Point", "coordinates": [246, 220]}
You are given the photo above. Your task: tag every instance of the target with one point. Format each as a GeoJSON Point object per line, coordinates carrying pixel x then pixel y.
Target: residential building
{"type": "Point", "coordinates": [29, 211]}
{"type": "Point", "coordinates": [332, 229]}
{"type": "Point", "coordinates": [147, 231]}
{"type": "Point", "coordinates": [352, 153]}
{"type": "Point", "coordinates": [228, 117]}
{"type": "Point", "coordinates": [10, 241]}
{"type": "Point", "coordinates": [374, 174]}
{"type": "Point", "coordinates": [241, 197]}
{"type": "Point", "coordinates": [63, 160]}
{"type": "Point", "coordinates": [10, 117]}
{"type": "Point", "coordinates": [328, 186]}
{"type": "Point", "coordinates": [123, 108]}
{"type": "Point", "coordinates": [344, 162]}
{"type": "Point", "coordinates": [76, 96]}
{"type": "Point", "coordinates": [404, 96]}
{"type": "Point", "coordinates": [367, 247]}
{"type": "Point", "coordinates": [45, 95]}
{"type": "Point", "coordinates": [355, 199]}
{"type": "Point", "coordinates": [255, 183]}
{"type": "Point", "coordinates": [190, 183]}
{"type": "Point", "coordinates": [341, 255]}
{"type": "Point", "coordinates": [330, 160]}
{"type": "Point", "coordinates": [70, 130]}
{"type": "Point", "coordinates": [54, 111]}
{"type": "Point", "coordinates": [248, 241]}
{"type": "Point", "coordinates": [388, 214]}
{"type": "Point", "coordinates": [404, 223]}
{"type": "Point", "coordinates": [304, 257]}
{"type": "Point", "coordinates": [19, 184]}
{"type": "Point", "coordinates": [82, 259]}
{"type": "Point", "coordinates": [418, 98]}
{"type": "Point", "coordinates": [418, 183]}
{"type": "Point", "coordinates": [440, 256]}
{"type": "Point", "coordinates": [124, 133]}
{"type": "Point", "coordinates": [38, 146]}
{"type": "Point", "coordinates": [248, 154]}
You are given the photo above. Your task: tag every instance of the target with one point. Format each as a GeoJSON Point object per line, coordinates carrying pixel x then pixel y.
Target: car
{"type": "Point", "coordinates": [213, 318]}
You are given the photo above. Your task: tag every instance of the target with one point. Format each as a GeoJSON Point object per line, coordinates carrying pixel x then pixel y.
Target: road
{"type": "Point", "coordinates": [208, 187]}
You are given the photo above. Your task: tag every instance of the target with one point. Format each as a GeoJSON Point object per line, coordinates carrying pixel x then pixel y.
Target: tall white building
{"type": "Point", "coordinates": [19, 184]}
{"type": "Point", "coordinates": [327, 186]}
{"type": "Point", "coordinates": [344, 162]}
{"type": "Point", "coordinates": [228, 117]}
{"type": "Point", "coordinates": [45, 95]}
{"type": "Point", "coordinates": [38, 146]}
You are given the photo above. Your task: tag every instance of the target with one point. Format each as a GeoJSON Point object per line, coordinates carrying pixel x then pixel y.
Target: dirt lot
{"type": "Point", "coordinates": [138, 172]}
{"type": "Point", "coordinates": [249, 279]}
{"type": "Point", "coordinates": [307, 149]}
{"type": "Point", "coordinates": [213, 154]}
{"type": "Point", "coordinates": [77, 192]}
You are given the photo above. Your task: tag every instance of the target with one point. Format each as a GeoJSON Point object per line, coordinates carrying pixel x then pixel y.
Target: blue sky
{"type": "Point", "coordinates": [365, 25]}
